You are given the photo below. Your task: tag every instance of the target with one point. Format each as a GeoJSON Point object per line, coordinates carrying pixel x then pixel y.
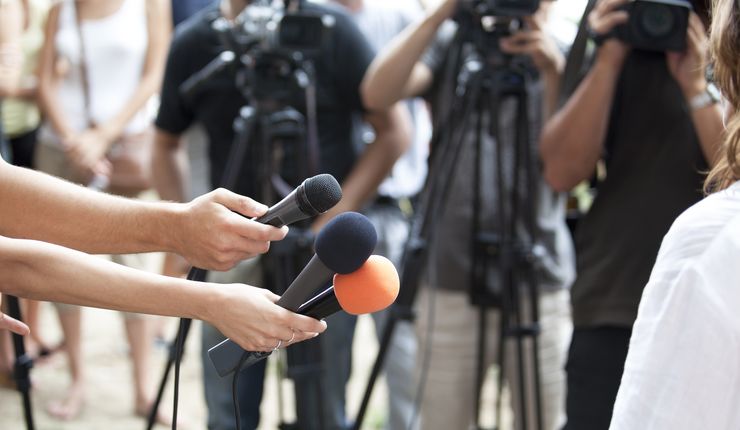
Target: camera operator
{"type": "Point", "coordinates": [413, 65]}
{"type": "Point", "coordinates": [39, 207]}
{"type": "Point", "coordinates": [651, 118]}
{"type": "Point", "coordinates": [339, 69]}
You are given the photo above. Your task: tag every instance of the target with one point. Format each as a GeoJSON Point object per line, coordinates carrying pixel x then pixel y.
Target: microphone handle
{"type": "Point", "coordinates": [226, 355]}
{"type": "Point", "coordinates": [314, 276]}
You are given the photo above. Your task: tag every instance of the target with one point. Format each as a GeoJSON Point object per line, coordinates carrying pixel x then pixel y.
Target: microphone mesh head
{"type": "Point", "coordinates": [346, 242]}
{"type": "Point", "coordinates": [322, 192]}
{"type": "Point", "coordinates": [372, 287]}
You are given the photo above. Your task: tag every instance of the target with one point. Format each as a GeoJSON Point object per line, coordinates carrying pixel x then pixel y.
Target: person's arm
{"type": "Point", "coordinates": [572, 140]}
{"type": "Point", "coordinates": [392, 138]}
{"type": "Point", "coordinates": [205, 231]}
{"type": "Point", "coordinates": [687, 68]}
{"type": "Point", "coordinates": [248, 315]}
{"type": "Point", "coordinates": [11, 57]}
{"type": "Point", "coordinates": [48, 79]}
{"type": "Point", "coordinates": [396, 73]}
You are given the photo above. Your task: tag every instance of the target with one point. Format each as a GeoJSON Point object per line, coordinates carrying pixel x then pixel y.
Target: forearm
{"type": "Point", "coordinates": [42, 271]}
{"type": "Point", "coordinates": [390, 78]}
{"type": "Point", "coordinates": [572, 140]}
{"type": "Point", "coordinates": [169, 168]}
{"type": "Point", "coordinates": [710, 129]}
{"type": "Point", "coordinates": [551, 81]}
{"type": "Point", "coordinates": [392, 138]}
{"type": "Point", "coordinates": [79, 218]}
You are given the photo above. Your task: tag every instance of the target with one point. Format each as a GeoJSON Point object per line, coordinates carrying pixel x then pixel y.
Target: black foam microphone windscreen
{"type": "Point", "coordinates": [315, 195]}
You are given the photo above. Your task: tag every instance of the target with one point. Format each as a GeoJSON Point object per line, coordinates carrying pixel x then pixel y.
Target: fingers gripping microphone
{"type": "Point", "coordinates": [342, 246]}
{"type": "Point", "coordinates": [315, 195]}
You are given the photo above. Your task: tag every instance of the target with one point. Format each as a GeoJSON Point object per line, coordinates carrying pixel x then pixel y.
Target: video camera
{"type": "Point", "coordinates": [275, 42]}
{"type": "Point", "coordinates": [500, 8]}
{"type": "Point", "coordinates": [656, 25]}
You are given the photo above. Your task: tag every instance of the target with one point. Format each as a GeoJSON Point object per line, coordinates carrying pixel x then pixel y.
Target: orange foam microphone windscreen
{"type": "Point", "coordinates": [372, 287]}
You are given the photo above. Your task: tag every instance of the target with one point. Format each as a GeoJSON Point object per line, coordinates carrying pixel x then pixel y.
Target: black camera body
{"type": "Point", "coordinates": [501, 8]}
{"type": "Point", "coordinates": [656, 25]}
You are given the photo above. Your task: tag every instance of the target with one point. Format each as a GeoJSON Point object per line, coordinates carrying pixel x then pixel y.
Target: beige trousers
{"type": "Point", "coordinates": [448, 401]}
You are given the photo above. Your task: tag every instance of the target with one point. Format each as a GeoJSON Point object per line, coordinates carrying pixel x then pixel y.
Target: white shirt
{"type": "Point", "coordinates": [115, 50]}
{"type": "Point", "coordinates": [380, 22]}
{"type": "Point", "coordinates": [683, 366]}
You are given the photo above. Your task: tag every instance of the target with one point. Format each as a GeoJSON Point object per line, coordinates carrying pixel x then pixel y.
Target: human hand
{"type": "Point", "coordinates": [687, 67]}
{"type": "Point", "coordinates": [12, 324]}
{"type": "Point", "coordinates": [537, 44]}
{"type": "Point", "coordinates": [602, 20]}
{"type": "Point", "coordinates": [86, 151]}
{"type": "Point", "coordinates": [210, 235]}
{"type": "Point", "coordinates": [249, 316]}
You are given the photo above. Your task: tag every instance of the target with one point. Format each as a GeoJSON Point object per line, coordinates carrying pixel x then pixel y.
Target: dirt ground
{"type": "Point", "coordinates": [109, 403]}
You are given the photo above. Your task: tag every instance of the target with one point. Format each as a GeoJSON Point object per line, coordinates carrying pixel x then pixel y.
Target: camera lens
{"type": "Point", "coordinates": [657, 20]}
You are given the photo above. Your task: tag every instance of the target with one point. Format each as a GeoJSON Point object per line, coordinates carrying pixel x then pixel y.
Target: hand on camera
{"type": "Point", "coordinates": [535, 43]}
{"type": "Point", "coordinates": [249, 316]}
{"type": "Point", "coordinates": [8, 323]}
{"type": "Point", "coordinates": [688, 67]}
{"type": "Point", "coordinates": [602, 20]}
{"type": "Point", "coordinates": [211, 236]}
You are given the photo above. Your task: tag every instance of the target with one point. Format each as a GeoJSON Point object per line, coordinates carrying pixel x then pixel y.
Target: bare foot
{"type": "Point", "coordinates": [162, 418]}
{"type": "Point", "coordinates": [69, 408]}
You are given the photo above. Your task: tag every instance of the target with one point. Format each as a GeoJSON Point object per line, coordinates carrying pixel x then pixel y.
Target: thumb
{"type": "Point", "coordinates": [238, 203]}
{"type": "Point", "coordinates": [13, 325]}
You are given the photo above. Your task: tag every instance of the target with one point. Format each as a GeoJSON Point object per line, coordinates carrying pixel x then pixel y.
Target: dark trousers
{"type": "Point", "coordinates": [23, 147]}
{"type": "Point", "coordinates": [595, 365]}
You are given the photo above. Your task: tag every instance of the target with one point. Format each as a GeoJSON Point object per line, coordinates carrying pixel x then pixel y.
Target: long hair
{"type": "Point", "coordinates": [725, 48]}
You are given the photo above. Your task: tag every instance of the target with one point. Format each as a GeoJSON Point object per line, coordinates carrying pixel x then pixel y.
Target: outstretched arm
{"type": "Point", "coordinates": [396, 73]}
{"type": "Point", "coordinates": [204, 231]}
{"type": "Point", "coordinates": [248, 315]}
{"type": "Point", "coordinates": [572, 140]}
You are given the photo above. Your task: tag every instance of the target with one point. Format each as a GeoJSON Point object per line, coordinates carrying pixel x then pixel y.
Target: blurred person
{"type": "Point", "coordinates": [339, 69]}
{"type": "Point", "coordinates": [652, 118]}
{"type": "Point", "coordinates": [94, 87]}
{"type": "Point", "coordinates": [21, 119]}
{"type": "Point", "coordinates": [11, 14]}
{"type": "Point", "coordinates": [20, 114]}
{"type": "Point", "coordinates": [683, 353]}
{"type": "Point", "coordinates": [380, 22]}
{"type": "Point", "coordinates": [415, 64]}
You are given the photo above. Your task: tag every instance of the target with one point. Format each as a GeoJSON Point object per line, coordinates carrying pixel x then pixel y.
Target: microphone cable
{"type": "Point", "coordinates": [234, 391]}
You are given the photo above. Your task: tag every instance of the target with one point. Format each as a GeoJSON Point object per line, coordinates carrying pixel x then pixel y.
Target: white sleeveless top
{"type": "Point", "coordinates": [115, 52]}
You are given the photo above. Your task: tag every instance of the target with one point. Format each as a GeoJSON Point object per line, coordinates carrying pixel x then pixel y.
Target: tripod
{"type": "Point", "coordinates": [265, 132]}
{"type": "Point", "coordinates": [480, 80]}
{"type": "Point", "coordinates": [23, 364]}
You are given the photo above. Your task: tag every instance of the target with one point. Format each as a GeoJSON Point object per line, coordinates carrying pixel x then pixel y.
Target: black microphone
{"type": "Point", "coordinates": [315, 195]}
{"type": "Point", "coordinates": [342, 246]}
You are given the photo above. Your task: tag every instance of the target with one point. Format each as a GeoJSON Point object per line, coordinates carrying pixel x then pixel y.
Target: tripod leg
{"type": "Point", "coordinates": [23, 364]}
{"type": "Point", "coordinates": [481, 360]}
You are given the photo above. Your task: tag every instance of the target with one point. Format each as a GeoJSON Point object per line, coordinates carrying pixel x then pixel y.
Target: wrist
{"type": "Point", "coordinates": [694, 89]}
{"type": "Point", "coordinates": [169, 226]}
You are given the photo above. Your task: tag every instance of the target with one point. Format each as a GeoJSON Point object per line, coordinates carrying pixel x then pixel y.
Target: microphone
{"type": "Point", "coordinates": [342, 246]}
{"type": "Point", "coordinates": [315, 195]}
{"type": "Point", "coordinates": [372, 287]}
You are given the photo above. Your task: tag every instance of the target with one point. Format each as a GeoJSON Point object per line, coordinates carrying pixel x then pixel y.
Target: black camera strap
{"type": "Point", "coordinates": [576, 56]}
